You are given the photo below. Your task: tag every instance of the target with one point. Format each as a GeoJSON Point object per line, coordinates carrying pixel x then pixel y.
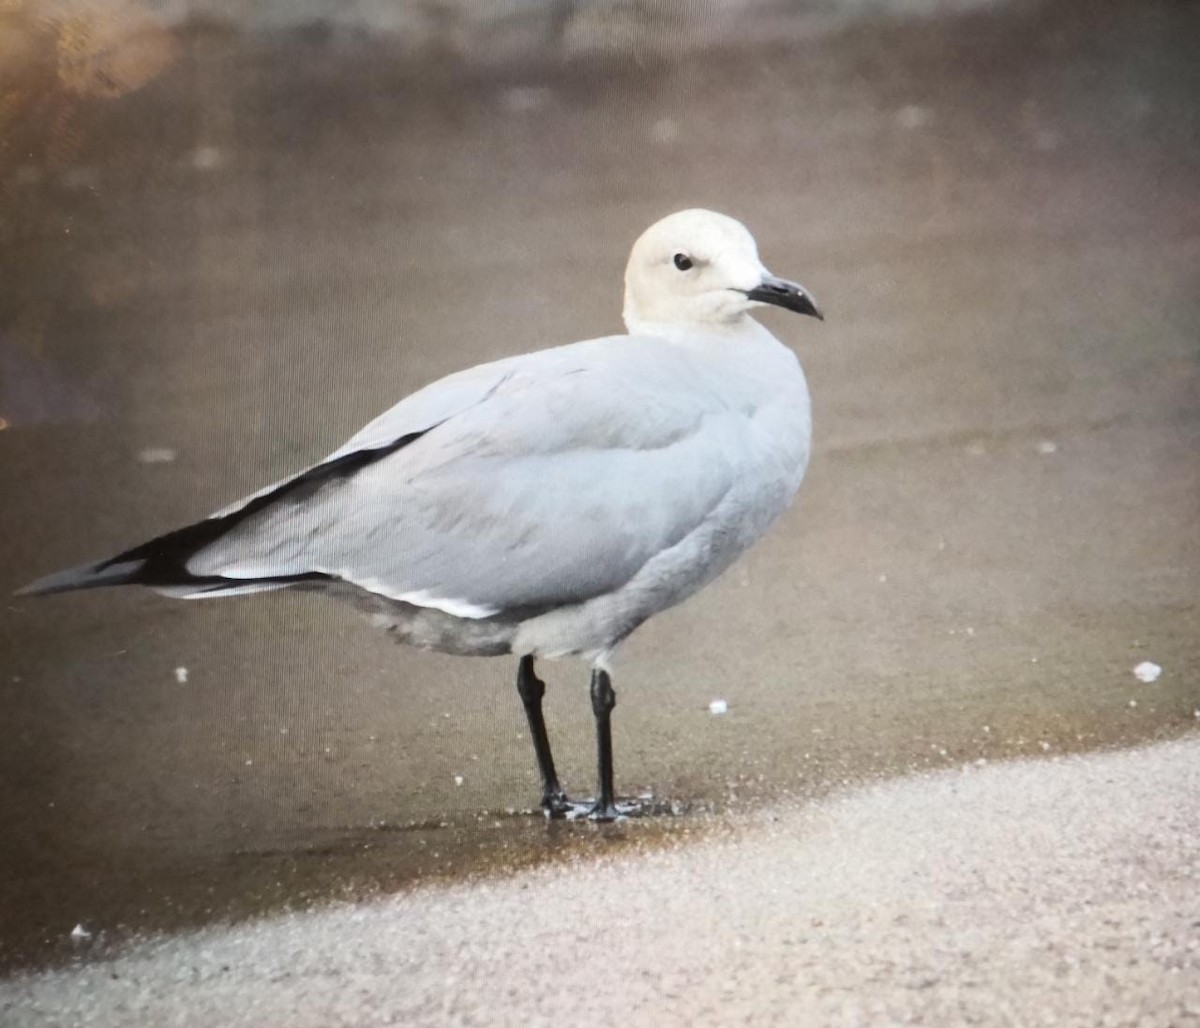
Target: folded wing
{"type": "Point", "coordinates": [555, 479]}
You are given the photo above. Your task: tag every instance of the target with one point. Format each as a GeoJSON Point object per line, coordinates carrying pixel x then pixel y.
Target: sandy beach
{"type": "Point", "coordinates": [1036, 893]}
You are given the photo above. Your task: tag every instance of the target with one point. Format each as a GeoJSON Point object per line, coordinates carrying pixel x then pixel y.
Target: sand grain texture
{"type": "Point", "coordinates": [1057, 893]}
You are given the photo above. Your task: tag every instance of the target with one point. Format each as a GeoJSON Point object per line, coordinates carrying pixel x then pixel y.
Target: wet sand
{"type": "Point", "coordinates": [255, 253]}
{"type": "Point", "coordinates": [1051, 893]}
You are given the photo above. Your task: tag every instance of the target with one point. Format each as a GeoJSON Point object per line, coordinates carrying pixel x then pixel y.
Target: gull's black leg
{"type": "Point", "coordinates": [532, 689]}
{"type": "Point", "coordinates": [603, 701]}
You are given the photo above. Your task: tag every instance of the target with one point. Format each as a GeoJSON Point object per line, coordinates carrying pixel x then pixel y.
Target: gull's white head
{"type": "Point", "coordinates": [702, 269]}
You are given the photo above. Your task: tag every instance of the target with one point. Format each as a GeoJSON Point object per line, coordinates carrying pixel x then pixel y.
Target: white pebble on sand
{"type": "Point", "coordinates": [1147, 671]}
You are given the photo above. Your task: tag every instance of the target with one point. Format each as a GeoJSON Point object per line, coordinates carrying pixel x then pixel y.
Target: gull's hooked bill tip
{"type": "Point", "coordinates": [791, 296]}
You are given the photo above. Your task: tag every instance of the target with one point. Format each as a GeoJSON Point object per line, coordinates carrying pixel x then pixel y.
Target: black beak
{"type": "Point", "coordinates": [782, 293]}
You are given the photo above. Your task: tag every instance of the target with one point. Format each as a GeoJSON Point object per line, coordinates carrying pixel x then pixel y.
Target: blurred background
{"type": "Point", "coordinates": [232, 233]}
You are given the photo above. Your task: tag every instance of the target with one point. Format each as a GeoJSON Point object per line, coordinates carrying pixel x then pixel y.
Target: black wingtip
{"type": "Point", "coordinates": [162, 562]}
{"type": "Point", "coordinates": [85, 576]}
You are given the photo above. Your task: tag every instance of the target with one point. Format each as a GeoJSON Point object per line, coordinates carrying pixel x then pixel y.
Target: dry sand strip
{"type": "Point", "coordinates": [1062, 892]}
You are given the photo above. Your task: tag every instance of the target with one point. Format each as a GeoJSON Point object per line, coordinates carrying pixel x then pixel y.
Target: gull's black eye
{"type": "Point", "coordinates": [683, 261]}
